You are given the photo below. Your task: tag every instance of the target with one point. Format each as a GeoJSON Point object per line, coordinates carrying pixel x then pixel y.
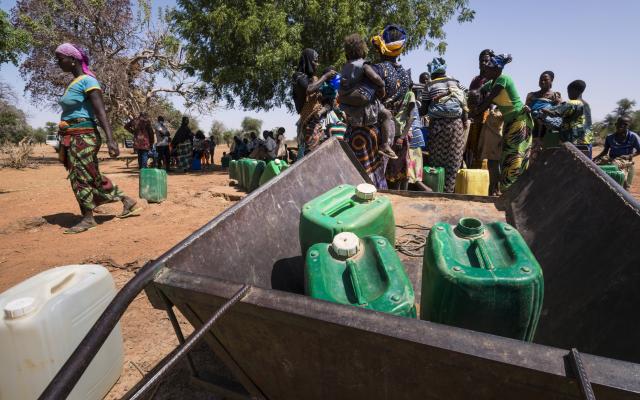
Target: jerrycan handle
{"type": "Point", "coordinates": [482, 253]}
{"type": "Point", "coordinates": [61, 284]}
{"type": "Point", "coordinates": [339, 208]}
{"type": "Point", "coordinates": [355, 283]}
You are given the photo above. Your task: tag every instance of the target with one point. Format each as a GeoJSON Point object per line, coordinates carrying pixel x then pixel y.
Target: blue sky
{"type": "Point", "coordinates": [577, 39]}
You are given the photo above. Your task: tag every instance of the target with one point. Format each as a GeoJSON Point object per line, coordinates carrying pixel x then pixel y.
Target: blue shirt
{"type": "Point", "coordinates": [624, 148]}
{"type": "Point", "coordinates": [75, 103]}
{"type": "Point", "coordinates": [417, 139]}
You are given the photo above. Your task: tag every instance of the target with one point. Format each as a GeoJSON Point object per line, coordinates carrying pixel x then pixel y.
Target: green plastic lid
{"type": "Point", "coordinates": [470, 227]}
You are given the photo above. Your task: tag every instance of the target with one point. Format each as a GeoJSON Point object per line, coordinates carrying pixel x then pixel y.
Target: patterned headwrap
{"type": "Point", "coordinates": [437, 66]}
{"type": "Point", "coordinates": [387, 45]}
{"type": "Point", "coordinates": [500, 60]}
{"type": "Point", "coordinates": [71, 50]}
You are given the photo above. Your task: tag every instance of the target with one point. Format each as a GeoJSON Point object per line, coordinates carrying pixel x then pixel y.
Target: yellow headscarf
{"type": "Point", "coordinates": [392, 49]}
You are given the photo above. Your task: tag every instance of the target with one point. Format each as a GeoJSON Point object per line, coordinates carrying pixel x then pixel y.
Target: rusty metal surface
{"type": "Point", "coordinates": [584, 229]}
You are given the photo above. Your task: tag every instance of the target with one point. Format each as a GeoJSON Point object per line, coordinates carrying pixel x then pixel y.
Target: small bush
{"type": "Point", "coordinates": [17, 155]}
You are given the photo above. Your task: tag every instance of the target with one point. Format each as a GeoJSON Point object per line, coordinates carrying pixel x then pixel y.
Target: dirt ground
{"type": "Point", "coordinates": [37, 206]}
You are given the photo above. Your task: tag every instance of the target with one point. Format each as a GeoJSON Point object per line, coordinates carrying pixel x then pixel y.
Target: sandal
{"type": "Point", "coordinates": [83, 226]}
{"type": "Point", "coordinates": [131, 212]}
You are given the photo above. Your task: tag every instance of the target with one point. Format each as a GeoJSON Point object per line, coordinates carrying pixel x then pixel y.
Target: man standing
{"type": "Point", "coordinates": [162, 146]}
{"type": "Point", "coordinates": [620, 148]}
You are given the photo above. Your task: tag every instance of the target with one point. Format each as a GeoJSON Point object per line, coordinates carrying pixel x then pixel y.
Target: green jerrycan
{"type": "Point", "coordinates": [434, 178]}
{"type": "Point", "coordinates": [153, 185]}
{"type": "Point", "coordinates": [233, 170]}
{"type": "Point", "coordinates": [481, 277]}
{"type": "Point", "coordinates": [346, 209]}
{"type": "Point", "coordinates": [614, 172]}
{"type": "Point", "coordinates": [273, 169]}
{"type": "Point", "coordinates": [256, 171]}
{"type": "Point", "coordinates": [365, 273]}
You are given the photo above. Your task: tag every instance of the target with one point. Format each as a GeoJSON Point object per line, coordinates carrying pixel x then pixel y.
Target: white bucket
{"type": "Point", "coordinates": [43, 320]}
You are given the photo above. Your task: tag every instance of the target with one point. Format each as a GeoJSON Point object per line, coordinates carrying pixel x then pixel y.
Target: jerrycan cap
{"type": "Point", "coordinates": [276, 161]}
{"type": "Point", "coordinates": [365, 191]}
{"type": "Point", "coordinates": [346, 244]}
{"type": "Point", "coordinates": [20, 307]}
{"type": "Point", "coordinates": [470, 227]}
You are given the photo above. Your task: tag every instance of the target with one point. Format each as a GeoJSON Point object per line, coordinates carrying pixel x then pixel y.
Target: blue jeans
{"type": "Point", "coordinates": [143, 158]}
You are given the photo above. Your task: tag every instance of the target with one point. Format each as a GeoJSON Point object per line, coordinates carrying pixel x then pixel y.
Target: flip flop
{"type": "Point", "coordinates": [130, 213]}
{"type": "Point", "coordinates": [72, 231]}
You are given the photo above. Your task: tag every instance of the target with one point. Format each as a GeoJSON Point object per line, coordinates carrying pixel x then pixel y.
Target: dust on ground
{"type": "Point", "coordinates": [38, 205]}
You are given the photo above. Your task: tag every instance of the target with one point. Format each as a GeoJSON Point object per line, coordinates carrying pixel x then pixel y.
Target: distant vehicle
{"type": "Point", "coordinates": [53, 140]}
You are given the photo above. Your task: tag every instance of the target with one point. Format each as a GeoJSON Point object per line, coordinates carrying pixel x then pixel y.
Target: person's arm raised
{"type": "Point", "coordinates": [486, 103]}
{"type": "Point", "coordinates": [315, 86]}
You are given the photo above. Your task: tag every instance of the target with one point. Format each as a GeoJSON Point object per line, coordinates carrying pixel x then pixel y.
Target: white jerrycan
{"type": "Point", "coordinates": [43, 320]}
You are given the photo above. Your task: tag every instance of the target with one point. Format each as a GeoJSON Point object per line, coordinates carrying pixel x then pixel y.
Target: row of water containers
{"type": "Point", "coordinates": [251, 174]}
{"type": "Point", "coordinates": [474, 275]}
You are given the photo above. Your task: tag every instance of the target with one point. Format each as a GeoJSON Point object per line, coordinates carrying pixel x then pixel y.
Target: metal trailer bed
{"type": "Point", "coordinates": [279, 344]}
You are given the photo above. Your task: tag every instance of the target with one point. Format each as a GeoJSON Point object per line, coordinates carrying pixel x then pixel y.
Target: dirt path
{"type": "Point", "coordinates": [38, 205]}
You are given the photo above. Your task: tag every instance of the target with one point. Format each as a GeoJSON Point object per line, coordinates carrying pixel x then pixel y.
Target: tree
{"type": "Point", "coordinates": [251, 125]}
{"type": "Point", "coordinates": [253, 49]}
{"type": "Point", "coordinates": [128, 51]}
{"type": "Point", "coordinates": [13, 123]}
{"type": "Point", "coordinates": [13, 41]}
{"type": "Point", "coordinates": [623, 107]}
{"type": "Point", "coordinates": [217, 131]}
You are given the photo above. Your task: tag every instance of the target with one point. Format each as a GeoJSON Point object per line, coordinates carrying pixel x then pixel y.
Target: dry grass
{"type": "Point", "coordinates": [17, 155]}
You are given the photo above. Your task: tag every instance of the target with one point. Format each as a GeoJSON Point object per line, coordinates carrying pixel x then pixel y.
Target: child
{"type": "Point", "coordinates": [206, 151]}
{"type": "Point", "coordinates": [359, 86]}
{"type": "Point", "coordinates": [572, 124]}
{"type": "Point", "coordinates": [333, 122]}
{"type": "Point", "coordinates": [225, 160]}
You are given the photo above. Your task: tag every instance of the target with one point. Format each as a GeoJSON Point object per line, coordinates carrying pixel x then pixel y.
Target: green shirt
{"type": "Point", "coordinates": [508, 101]}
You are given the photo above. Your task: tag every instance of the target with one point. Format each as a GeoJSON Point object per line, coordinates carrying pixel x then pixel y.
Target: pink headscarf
{"type": "Point", "coordinates": [71, 50]}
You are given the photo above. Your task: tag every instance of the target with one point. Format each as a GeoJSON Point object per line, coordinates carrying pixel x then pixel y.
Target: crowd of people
{"type": "Point", "coordinates": [185, 151]}
{"type": "Point", "coordinates": [395, 126]}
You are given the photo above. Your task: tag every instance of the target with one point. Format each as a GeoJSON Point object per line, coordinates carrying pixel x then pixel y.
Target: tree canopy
{"type": "Point", "coordinates": [13, 41]}
{"type": "Point", "coordinates": [248, 49]}
{"type": "Point", "coordinates": [251, 125]}
{"type": "Point", "coordinates": [624, 107]}
{"type": "Point", "coordinates": [129, 52]}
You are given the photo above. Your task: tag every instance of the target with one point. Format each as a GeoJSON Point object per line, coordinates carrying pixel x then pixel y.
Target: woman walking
{"type": "Point", "coordinates": [307, 99]}
{"type": "Point", "coordinates": [516, 146]}
{"type": "Point", "coordinates": [183, 144]}
{"type": "Point", "coordinates": [82, 105]}
{"type": "Point", "coordinates": [447, 110]}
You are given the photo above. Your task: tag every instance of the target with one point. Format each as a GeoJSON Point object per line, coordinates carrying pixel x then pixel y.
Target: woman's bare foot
{"type": "Point", "coordinates": [386, 150]}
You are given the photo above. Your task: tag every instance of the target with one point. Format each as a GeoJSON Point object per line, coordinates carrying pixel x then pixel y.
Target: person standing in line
{"type": "Point", "coordinates": [445, 102]}
{"type": "Point", "coordinates": [472, 152]}
{"type": "Point", "coordinates": [82, 110]}
{"type": "Point", "coordinates": [281, 144]}
{"type": "Point", "coordinates": [516, 144]}
{"type": "Point", "coordinates": [143, 137]}
{"type": "Point", "coordinates": [163, 138]}
{"type": "Point", "coordinates": [307, 100]}
{"type": "Point", "coordinates": [542, 99]}
{"type": "Point", "coordinates": [182, 144]}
